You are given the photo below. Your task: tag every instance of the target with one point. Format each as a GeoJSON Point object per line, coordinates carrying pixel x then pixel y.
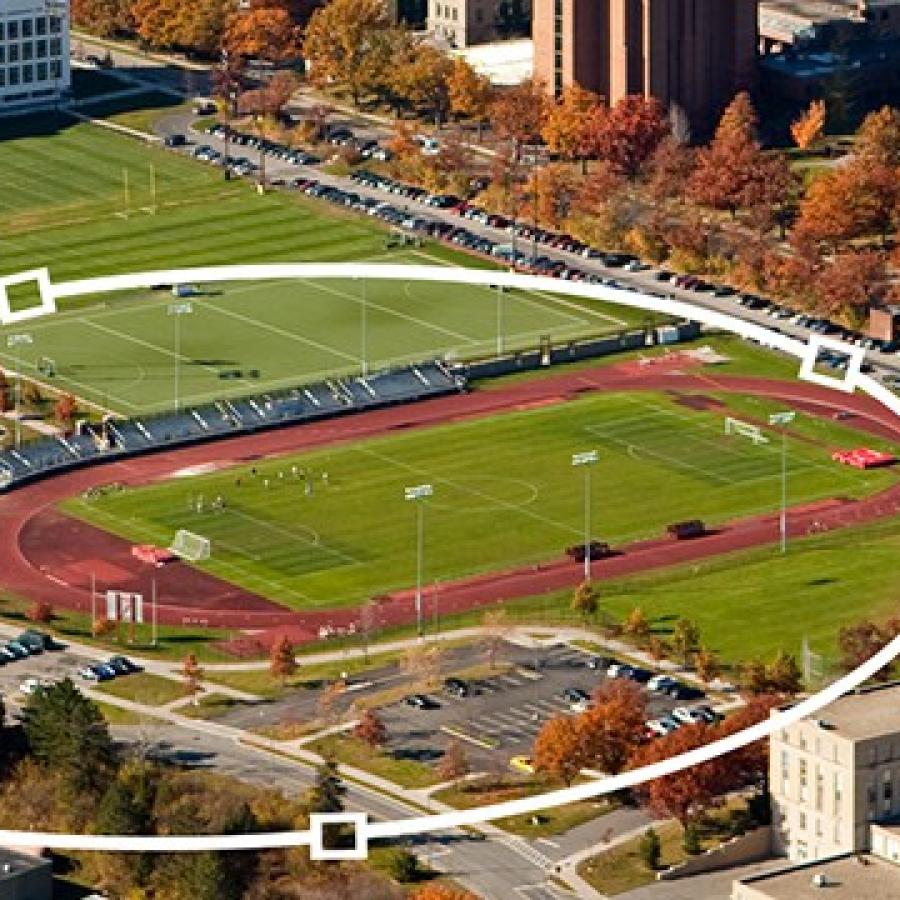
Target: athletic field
{"type": "Point", "coordinates": [88, 202]}
{"type": "Point", "coordinates": [331, 527]}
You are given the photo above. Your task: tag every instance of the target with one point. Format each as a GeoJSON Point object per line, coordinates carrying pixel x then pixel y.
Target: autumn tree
{"type": "Point", "coordinates": [495, 630]}
{"type": "Point", "coordinates": [64, 411]}
{"type": "Point", "coordinates": [517, 113]}
{"type": "Point", "coordinates": [584, 600]}
{"type": "Point", "coordinates": [569, 121]}
{"type": "Point", "coordinates": [862, 640]}
{"type": "Point", "coordinates": [105, 18]}
{"type": "Point", "coordinates": [668, 170]}
{"type": "Point", "coordinates": [844, 288]}
{"type": "Point", "coordinates": [807, 130]}
{"type": "Point", "coordinates": [707, 664]}
{"type": "Point", "coordinates": [422, 663]}
{"type": "Point", "coordinates": [337, 39]}
{"type": "Point", "coordinates": [613, 726]}
{"type": "Point", "coordinates": [754, 677]}
{"type": "Point", "coordinates": [262, 32]}
{"type": "Point", "coordinates": [559, 749]}
{"type": "Point", "coordinates": [784, 675]}
{"type": "Point", "coordinates": [636, 624]}
{"type": "Point", "coordinates": [282, 663]}
{"type": "Point", "coordinates": [469, 92]}
{"type": "Point", "coordinates": [627, 135]}
{"type": "Point", "coordinates": [371, 730]}
{"type": "Point", "coordinates": [733, 172]}
{"type": "Point", "coordinates": [686, 640]}
{"type": "Point", "coordinates": [422, 79]}
{"type": "Point", "coordinates": [192, 676]}
{"type": "Point", "coordinates": [454, 762]}
{"type": "Point", "coordinates": [40, 611]}
{"type": "Point", "coordinates": [878, 138]}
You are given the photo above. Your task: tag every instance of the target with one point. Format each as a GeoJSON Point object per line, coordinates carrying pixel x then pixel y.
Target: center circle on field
{"type": "Point", "coordinates": [479, 493]}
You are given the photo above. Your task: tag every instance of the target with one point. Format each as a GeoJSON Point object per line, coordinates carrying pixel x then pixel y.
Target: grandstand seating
{"type": "Point", "coordinates": [119, 438]}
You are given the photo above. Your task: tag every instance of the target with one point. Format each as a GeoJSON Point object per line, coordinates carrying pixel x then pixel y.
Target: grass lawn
{"type": "Point", "coordinates": [66, 193]}
{"type": "Point", "coordinates": [209, 706]}
{"type": "Point", "coordinates": [174, 642]}
{"type": "Point", "coordinates": [115, 715]}
{"type": "Point", "coordinates": [549, 821]}
{"type": "Point", "coordinates": [144, 687]}
{"type": "Point", "coordinates": [621, 869]}
{"type": "Point", "coordinates": [504, 493]}
{"type": "Point", "coordinates": [263, 684]}
{"type": "Point", "coordinates": [349, 751]}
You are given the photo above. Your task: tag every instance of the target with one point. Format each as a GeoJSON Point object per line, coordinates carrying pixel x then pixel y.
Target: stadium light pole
{"type": "Point", "coordinates": [419, 494]}
{"type": "Point", "coordinates": [177, 310]}
{"type": "Point", "coordinates": [499, 320]}
{"type": "Point", "coordinates": [586, 460]}
{"type": "Point", "coordinates": [364, 329]}
{"type": "Point", "coordinates": [782, 420]}
{"type": "Point", "coordinates": [17, 342]}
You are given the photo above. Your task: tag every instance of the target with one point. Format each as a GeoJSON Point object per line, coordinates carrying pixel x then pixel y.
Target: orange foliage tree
{"type": "Point", "coordinates": [570, 121]}
{"type": "Point", "coordinates": [807, 130]}
{"type": "Point", "coordinates": [371, 730]}
{"type": "Point", "coordinates": [282, 663]}
{"type": "Point", "coordinates": [263, 32]}
{"type": "Point", "coordinates": [559, 749]}
{"type": "Point", "coordinates": [614, 725]}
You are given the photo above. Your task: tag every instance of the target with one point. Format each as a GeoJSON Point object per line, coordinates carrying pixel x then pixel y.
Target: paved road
{"type": "Point", "coordinates": [279, 170]}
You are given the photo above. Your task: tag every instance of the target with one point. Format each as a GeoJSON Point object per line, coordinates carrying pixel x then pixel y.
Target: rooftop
{"type": "Point", "coordinates": [869, 713]}
{"type": "Point", "coordinates": [783, 20]}
{"type": "Point", "coordinates": [845, 878]}
{"type": "Point", "coordinates": [13, 862]}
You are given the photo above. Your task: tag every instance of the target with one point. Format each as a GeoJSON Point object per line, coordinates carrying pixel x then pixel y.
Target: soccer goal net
{"type": "Point", "coordinates": [745, 429]}
{"type": "Point", "coordinates": [190, 546]}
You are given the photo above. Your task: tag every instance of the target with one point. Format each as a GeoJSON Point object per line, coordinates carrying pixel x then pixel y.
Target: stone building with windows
{"type": "Point", "coordinates": [830, 778]}
{"type": "Point", "coordinates": [34, 54]}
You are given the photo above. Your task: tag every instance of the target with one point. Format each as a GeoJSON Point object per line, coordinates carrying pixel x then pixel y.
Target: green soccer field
{"type": "Point", "coordinates": [504, 493]}
{"type": "Point", "coordinates": [64, 204]}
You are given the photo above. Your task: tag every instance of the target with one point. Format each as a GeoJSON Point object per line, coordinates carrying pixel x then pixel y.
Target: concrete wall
{"type": "Point", "coordinates": [751, 847]}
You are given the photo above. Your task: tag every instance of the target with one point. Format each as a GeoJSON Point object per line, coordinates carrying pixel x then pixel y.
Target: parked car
{"type": "Point", "coordinates": [122, 665]}
{"type": "Point", "coordinates": [36, 641]}
{"type": "Point", "coordinates": [522, 764]}
{"type": "Point", "coordinates": [457, 687]}
{"type": "Point", "coordinates": [175, 140]}
{"type": "Point", "coordinates": [18, 650]}
{"type": "Point", "coordinates": [577, 699]}
{"type": "Point", "coordinates": [658, 682]}
{"type": "Point", "coordinates": [419, 701]}
{"type": "Point", "coordinates": [32, 685]}
{"type": "Point", "coordinates": [688, 715]}
{"type": "Point", "coordinates": [619, 670]}
{"type": "Point", "coordinates": [598, 663]}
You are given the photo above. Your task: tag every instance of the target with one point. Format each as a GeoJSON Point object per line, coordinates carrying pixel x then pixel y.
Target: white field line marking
{"type": "Point", "coordinates": [467, 490]}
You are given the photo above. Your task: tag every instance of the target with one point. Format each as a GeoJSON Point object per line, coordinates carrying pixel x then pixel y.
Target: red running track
{"type": "Point", "coordinates": [47, 556]}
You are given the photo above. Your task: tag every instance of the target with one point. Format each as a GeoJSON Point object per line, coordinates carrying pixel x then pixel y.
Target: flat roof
{"type": "Point", "coordinates": [870, 713]}
{"type": "Point", "coordinates": [503, 62]}
{"type": "Point", "coordinates": [847, 878]}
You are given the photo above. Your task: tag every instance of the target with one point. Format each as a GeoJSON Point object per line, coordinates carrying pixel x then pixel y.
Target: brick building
{"type": "Point", "coordinates": [690, 54]}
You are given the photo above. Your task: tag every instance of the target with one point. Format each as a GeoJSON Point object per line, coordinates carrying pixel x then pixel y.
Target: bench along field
{"type": "Point", "coordinates": [331, 527]}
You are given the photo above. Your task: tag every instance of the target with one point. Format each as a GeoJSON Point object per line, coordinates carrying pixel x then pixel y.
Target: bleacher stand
{"type": "Point", "coordinates": [118, 438]}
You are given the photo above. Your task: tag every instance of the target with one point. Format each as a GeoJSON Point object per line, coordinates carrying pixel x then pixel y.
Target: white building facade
{"type": "Point", "coordinates": [34, 54]}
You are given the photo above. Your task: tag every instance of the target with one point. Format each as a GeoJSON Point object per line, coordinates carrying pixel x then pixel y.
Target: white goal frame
{"type": "Point", "coordinates": [745, 429]}
{"type": "Point", "coordinates": [190, 546]}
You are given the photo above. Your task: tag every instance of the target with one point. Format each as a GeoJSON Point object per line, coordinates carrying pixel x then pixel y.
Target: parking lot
{"type": "Point", "coordinates": [504, 712]}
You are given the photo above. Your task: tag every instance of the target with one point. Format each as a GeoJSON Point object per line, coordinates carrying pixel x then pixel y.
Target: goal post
{"type": "Point", "coordinates": [190, 546]}
{"type": "Point", "coordinates": [746, 430]}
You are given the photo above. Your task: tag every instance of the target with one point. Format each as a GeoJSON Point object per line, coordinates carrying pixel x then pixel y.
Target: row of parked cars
{"type": "Point", "coordinates": [28, 643]}
{"type": "Point", "coordinates": [106, 671]}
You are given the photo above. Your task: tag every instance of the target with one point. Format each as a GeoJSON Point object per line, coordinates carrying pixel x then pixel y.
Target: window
{"type": "Point", "coordinates": [13, 52]}
{"type": "Point", "coordinates": [820, 789]}
{"type": "Point", "coordinates": [2, 54]}
{"type": "Point", "coordinates": [804, 780]}
{"type": "Point", "coordinates": [40, 48]}
{"type": "Point", "coordinates": [838, 790]}
{"type": "Point", "coordinates": [887, 792]}
{"type": "Point", "coordinates": [27, 50]}
{"type": "Point", "coordinates": [27, 74]}
{"type": "Point", "coordinates": [55, 25]}
{"type": "Point", "coordinates": [55, 68]}
{"type": "Point", "coordinates": [42, 71]}
{"type": "Point", "coordinates": [40, 26]}
{"type": "Point", "coordinates": [27, 28]}
{"type": "Point", "coordinates": [12, 31]}
{"type": "Point", "coordinates": [801, 820]}
{"type": "Point", "coordinates": [13, 76]}
{"type": "Point", "coordinates": [55, 47]}
{"type": "Point", "coordinates": [2, 77]}
{"type": "Point", "coordinates": [785, 772]}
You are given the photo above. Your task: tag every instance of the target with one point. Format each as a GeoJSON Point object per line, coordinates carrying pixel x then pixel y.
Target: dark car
{"type": "Point", "coordinates": [175, 140]}
{"type": "Point", "coordinates": [419, 701]}
{"type": "Point", "coordinates": [457, 687]}
{"type": "Point", "coordinates": [598, 663]}
{"type": "Point", "coordinates": [122, 665]}
{"type": "Point", "coordinates": [36, 641]}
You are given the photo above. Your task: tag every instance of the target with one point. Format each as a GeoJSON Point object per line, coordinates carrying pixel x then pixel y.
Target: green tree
{"type": "Point", "coordinates": [691, 840]}
{"type": "Point", "coordinates": [67, 732]}
{"type": "Point", "coordinates": [650, 849]}
{"type": "Point", "coordinates": [404, 867]}
{"type": "Point", "coordinates": [327, 795]}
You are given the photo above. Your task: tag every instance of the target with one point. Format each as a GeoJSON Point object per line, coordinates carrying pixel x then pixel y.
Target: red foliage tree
{"type": "Point", "coordinates": [613, 727]}
{"type": "Point", "coordinates": [628, 134]}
